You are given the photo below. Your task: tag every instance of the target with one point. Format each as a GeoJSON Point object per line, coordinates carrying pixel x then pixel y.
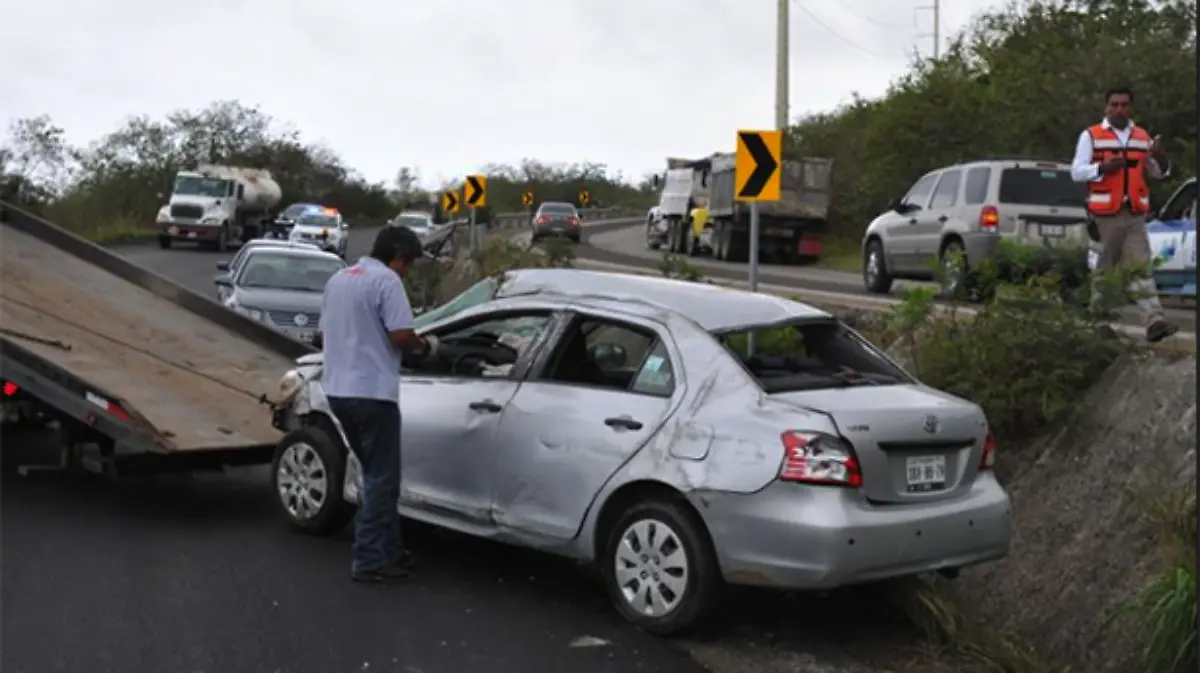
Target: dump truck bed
{"type": "Point", "coordinates": [191, 382]}
{"type": "Point", "coordinates": [805, 186]}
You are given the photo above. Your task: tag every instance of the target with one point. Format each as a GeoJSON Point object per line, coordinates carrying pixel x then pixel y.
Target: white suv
{"type": "Point", "coordinates": [969, 208]}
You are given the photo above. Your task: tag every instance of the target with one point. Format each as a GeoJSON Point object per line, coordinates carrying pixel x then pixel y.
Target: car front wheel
{"type": "Point", "coordinates": [876, 278]}
{"type": "Point", "coordinates": [308, 475]}
{"type": "Point", "coordinates": [659, 567]}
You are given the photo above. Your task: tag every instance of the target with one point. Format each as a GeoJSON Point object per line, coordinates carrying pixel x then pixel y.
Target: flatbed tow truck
{"type": "Point", "coordinates": [138, 373]}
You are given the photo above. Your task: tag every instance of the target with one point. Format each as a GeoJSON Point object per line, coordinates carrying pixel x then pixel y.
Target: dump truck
{"type": "Point", "coordinates": [790, 229]}
{"type": "Point", "coordinates": [216, 205]}
{"type": "Point", "coordinates": [137, 373]}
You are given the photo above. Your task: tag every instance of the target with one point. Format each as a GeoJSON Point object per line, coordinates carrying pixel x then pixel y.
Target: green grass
{"type": "Point", "coordinates": [842, 255]}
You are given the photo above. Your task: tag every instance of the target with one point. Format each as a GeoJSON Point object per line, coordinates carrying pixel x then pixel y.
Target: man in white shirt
{"type": "Point", "coordinates": [1114, 158]}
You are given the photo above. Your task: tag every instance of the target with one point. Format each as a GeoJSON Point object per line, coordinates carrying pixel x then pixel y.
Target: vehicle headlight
{"type": "Point", "coordinates": [289, 385]}
{"type": "Point", "coordinates": [247, 311]}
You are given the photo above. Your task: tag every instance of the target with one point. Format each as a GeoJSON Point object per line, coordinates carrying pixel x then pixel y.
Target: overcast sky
{"type": "Point", "coordinates": [449, 86]}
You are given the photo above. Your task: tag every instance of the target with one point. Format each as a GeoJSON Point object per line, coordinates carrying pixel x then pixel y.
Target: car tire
{"type": "Point", "coordinates": [876, 278]}
{"type": "Point", "coordinates": [652, 243]}
{"type": "Point", "coordinates": [956, 289]}
{"type": "Point", "coordinates": [310, 452]}
{"type": "Point", "coordinates": [689, 553]}
{"type": "Point", "coordinates": [222, 244]}
{"type": "Point", "coordinates": [164, 242]}
{"type": "Point", "coordinates": [575, 239]}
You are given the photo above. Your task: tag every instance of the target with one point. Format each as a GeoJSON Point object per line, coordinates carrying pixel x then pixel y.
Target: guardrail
{"type": "Point", "coordinates": [522, 218]}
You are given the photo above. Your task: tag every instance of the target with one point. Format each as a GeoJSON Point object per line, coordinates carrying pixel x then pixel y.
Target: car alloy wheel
{"type": "Point", "coordinates": [659, 566]}
{"type": "Point", "coordinates": [651, 568]}
{"type": "Point", "coordinates": [308, 474]}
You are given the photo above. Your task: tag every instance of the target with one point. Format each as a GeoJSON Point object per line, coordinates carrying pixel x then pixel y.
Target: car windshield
{"type": "Point", "coordinates": [811, 355]}
{"type": "Point", "coordinates": [477, 294]}
{"type": "Point", "coordinates": [318, 220]}
{"type": "Point", "coordinates": [194, 185]}
{"type": "Point", "coordinates": [412, 221]}
{"type": "Point", "coordinates": [1041, 187]}
{"type": "Point", "coordinates": [556, 209]}
{"type": "Point", "coordinates": [278, 270]}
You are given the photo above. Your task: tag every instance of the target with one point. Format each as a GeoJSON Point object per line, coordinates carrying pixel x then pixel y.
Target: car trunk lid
{"type": "Point", "coordinates": [914, 444]}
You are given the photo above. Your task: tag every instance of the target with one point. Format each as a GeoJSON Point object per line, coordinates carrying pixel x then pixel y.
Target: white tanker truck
{"type": "Point", "coordinates": [215, 205]}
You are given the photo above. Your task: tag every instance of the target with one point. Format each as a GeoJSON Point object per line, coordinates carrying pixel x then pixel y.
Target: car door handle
{"type": "Point", "coordinates": [623, 422]}
{"type": "Point", "coordinates": [912, 220]}
{"type": "Point", "coordinates": [943, 218]}
{"type": "Point", "coordinates": [486, 406]}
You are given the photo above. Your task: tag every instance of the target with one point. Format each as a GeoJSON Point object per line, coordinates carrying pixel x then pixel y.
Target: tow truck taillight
{"type": "Point", "coordinates": [10, 389]}
{"type": "Point", "coordinates": [989, 219]}
{"type": "Point", "coordinates": [111, 407]}
{"type": "Point", "coordinates": [987, 460]}
{"type": "Point", "coordinates": [817, 458]}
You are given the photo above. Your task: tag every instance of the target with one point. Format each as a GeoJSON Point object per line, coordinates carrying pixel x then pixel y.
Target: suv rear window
{"type": "Point", "coordinates": [1041, 187]}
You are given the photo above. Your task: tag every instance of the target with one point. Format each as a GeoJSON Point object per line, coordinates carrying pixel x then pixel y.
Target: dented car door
{"type": "Point", "coordinates": [579, 416]}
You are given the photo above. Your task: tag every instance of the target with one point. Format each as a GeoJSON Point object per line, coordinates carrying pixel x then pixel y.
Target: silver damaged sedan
{"type": "Point", "coordinates": [618, 420]}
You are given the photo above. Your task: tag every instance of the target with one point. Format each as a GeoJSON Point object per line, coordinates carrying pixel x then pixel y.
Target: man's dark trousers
{"type": "Point", "coordinates": [373, 429]}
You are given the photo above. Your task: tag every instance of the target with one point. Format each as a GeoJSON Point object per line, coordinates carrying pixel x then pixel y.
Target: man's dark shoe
{"type": "Point", "coordinates": [393, 574]}
{"type": "Point", "coordinates": [1159, 330]}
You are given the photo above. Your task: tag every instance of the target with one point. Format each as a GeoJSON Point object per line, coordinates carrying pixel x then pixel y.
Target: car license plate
{"type": "Point", "coordinates": [778, 231]}
{"type": "Point", "coordinates": [1053, 230]}
{"type": "Point", "coordinates": [925, 473]}
{"type": "Point", "coordinates": [191, 234]}
{"type": "Point", "coordinates": [174, 231]}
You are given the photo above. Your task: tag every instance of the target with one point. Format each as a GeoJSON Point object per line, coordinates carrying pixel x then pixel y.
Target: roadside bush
{"type": "Point", "coordinates": [1165, 610]}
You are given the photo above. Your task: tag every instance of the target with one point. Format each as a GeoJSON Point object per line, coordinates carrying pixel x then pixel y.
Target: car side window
{"type": "Point", "coordinates": [603, 353]}
{"type": "Point", "coordinates": [485, 346]}
{"type": "Point", "coordinates": [975, 191]}
{"type": "Point", "coordinates": [946, 194]}
{"type": "Point", "coordinates": [656, 376]}
{"type": "Point", "coordinates": [1181, 205]}
{"type": "Point", "coordinates": [919, 194]}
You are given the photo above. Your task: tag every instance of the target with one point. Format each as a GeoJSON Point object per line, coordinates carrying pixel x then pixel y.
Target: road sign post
{"type": "Point", "coordinates": [756, 178]}
{"type": "Point", "coordinates": [475, 196]}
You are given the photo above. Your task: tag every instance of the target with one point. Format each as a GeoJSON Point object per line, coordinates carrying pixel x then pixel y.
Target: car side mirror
{"type": "Point", "coordinates": [223, 266]}
{"type": "Point", "coordinates": [608, 356]}
{"type": "Point", "coordinates": [223, 280]}
{"type": "Point", "coordinates": [656, 181]}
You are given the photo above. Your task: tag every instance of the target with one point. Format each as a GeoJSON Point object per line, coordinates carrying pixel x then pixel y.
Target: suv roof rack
{"type": "Point", "coordinates": [1014, 157]}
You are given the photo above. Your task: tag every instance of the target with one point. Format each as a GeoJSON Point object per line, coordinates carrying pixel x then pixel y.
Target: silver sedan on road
{"type": "Point", "coordinates": [281, 287]}
{"type": "Point", "coordinates": [615, 420]}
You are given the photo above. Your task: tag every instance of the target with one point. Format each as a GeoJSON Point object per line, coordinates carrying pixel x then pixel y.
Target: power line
{"type": "Point", "coordinates": [867, 17]}
{"type": "Point", "coordinates": [842, 38]}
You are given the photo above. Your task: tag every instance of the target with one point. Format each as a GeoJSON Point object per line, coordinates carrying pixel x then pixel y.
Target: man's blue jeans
{"type": "Point", "coordinates": [373, 430]}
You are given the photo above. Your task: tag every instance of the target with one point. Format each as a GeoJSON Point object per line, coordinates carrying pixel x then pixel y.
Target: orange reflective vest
{"type": "Point", "coordinates": [1126, 187]}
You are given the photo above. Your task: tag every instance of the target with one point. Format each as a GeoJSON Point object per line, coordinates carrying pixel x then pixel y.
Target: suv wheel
{"type": "Point", "coordinates": [953, 272]}
{"type": "Point", "coordinates": [876, 278]}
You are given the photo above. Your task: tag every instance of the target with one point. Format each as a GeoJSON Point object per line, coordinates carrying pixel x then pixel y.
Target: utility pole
{"type": "Point", "coordinates": [781, 66]}
{"type": "Point", "coordinates": [936, 8]}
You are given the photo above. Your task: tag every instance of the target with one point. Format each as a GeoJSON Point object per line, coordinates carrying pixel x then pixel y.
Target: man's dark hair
{"type": "Point", "coordinates": [393, 243]}
{"type": "Point", "coordinates": [1118, 91]}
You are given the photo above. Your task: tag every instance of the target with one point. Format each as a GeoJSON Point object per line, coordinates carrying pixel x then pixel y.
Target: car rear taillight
{"type": "Point", "coordinates": [818, 458]}
{"type": "Point", "coordinates": [989, 219]}
{"type": "Point", "coordinates": [10, 389]}
{"type": "Point", "coordinates": [543, 219]}
{"type": "Point", "coordinates": [573, 221]}
{"type": "Point", "coordinates": [987, 460]}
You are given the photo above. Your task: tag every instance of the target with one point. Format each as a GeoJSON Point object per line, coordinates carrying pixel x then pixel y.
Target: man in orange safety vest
{"type": "Point", "coordinates": [1114, 158]}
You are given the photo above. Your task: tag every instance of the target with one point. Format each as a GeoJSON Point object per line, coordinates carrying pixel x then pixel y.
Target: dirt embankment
{"type": "Point", "coordinates": [1082, 544]}
{"type": "Point", "coordinates": [1081, 547]}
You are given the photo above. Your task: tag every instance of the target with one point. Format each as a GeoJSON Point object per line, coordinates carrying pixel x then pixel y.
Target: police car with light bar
{"type": "Point", "coordinates": [324, 228]}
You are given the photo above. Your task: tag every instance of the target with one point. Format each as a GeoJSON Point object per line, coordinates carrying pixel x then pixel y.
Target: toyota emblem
{"type": "Point", "coordinates": [931, 424]}
{"type": "Point", "coordinates": [301, 320]}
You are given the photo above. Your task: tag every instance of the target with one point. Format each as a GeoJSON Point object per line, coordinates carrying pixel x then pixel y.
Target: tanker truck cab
{"type": "Point", "coordinates": [217, 205]}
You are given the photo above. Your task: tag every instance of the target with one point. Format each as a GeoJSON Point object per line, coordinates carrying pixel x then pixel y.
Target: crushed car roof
{"type": "Point", "coordinates": [713, 307]}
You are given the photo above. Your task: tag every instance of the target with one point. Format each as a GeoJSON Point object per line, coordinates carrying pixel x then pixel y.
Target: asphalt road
{"type": "Point", "coordinates": [190, 574]}
{"type": "Point", "coordinates": [628, 245]}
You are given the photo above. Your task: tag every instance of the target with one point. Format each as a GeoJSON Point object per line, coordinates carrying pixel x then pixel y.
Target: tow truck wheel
{"type": "Point", "coordinates": [659, 567]}
{"type": "Point", "coordinates": [308, 474]}
{"type": "Point", "coordinates": [164, 242]}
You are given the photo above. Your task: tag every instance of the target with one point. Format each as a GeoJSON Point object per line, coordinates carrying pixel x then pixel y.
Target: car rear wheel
{"type": "Point", "coordinates": [659, 567]}
{"type": "Point", "coordinates": [876, 278]}
{"type": "Point", "coordinates": [308, 474]}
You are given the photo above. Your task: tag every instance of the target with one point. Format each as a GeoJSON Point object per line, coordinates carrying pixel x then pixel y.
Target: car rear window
{"type": "Point", "coordinates": [558, 208]}
{"type": "Point", "coordinates": [812, 355]}
{"type": "Point", "coordinates": [1041, 187]}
